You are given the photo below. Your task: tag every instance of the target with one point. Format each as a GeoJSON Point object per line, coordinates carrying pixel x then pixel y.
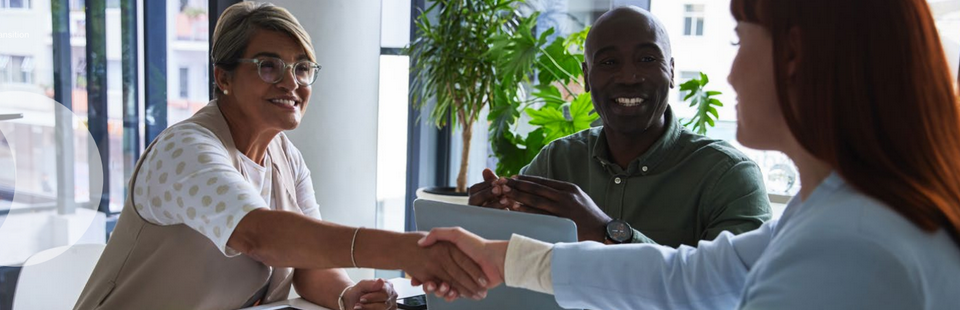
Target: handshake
{"type": "Point", "coordinates": [460, 264]}
{"type": "Point", "coordinates": [453, 263]}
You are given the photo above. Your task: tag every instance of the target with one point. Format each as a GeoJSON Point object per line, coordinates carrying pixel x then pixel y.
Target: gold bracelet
{"type": "Point", "coordinates": [340, 300]}
{"type": "Point", "coordinates": [353, 247]}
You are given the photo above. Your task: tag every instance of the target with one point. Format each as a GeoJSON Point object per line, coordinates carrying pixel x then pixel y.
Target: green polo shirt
{"type": "Point", "coordinates": [686, 188]}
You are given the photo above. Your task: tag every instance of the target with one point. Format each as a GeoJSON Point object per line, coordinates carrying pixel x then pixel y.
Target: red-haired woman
{"type": "Point", "coordinates": [859, 95]}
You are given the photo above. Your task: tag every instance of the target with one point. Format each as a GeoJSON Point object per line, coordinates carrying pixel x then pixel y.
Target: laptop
{"type": "Point", "coordinates": [495, 224]}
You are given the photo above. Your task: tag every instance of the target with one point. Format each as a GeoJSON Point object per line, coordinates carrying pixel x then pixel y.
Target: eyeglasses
{"type": "Point", "coordinates": [272, 70]}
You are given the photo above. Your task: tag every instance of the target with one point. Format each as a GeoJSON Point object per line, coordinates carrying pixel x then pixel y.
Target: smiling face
{"type": "Point", "coordinates": [261, 104]}
{"type": "Point", "coordinates": [628, 70]}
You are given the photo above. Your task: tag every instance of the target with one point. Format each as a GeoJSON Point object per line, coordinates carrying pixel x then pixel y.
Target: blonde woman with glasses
{"type": "Point", "coordinates": [221, 213]}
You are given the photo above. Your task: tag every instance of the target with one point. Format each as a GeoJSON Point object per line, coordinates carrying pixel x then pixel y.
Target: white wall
{"type": "Point", "coordinates": [338, 135]}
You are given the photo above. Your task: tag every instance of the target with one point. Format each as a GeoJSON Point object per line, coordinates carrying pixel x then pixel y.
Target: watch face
{"type": "Point", "coordinates": [619, 231]}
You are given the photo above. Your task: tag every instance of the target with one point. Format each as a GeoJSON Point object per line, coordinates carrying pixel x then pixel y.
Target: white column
{"type": "Point", "coordinates": [338, 134]}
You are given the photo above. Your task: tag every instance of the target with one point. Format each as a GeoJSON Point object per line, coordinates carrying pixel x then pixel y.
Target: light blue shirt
{"type": "Point", "coordinates": [839, 249]}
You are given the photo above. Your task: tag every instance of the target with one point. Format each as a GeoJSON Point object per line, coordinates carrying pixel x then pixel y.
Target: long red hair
{"type": "Point", "coordinates": [876, 99]}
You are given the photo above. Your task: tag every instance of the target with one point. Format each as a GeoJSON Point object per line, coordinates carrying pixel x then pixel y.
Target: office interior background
{"type": "Point", "coordinates": [127, 69]}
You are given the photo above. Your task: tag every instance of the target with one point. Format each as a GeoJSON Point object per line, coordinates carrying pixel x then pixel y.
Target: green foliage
{"type": "Point", "coordinates": [452, 63]}
{"type": "Point", "coordinates": [704, 101]}
{"type": "Point", "coordinates": [451, 60]}
{"type": "Point", "coordinates": [557, 64]}
{"type": "Point", "coordinates": [557, 124]}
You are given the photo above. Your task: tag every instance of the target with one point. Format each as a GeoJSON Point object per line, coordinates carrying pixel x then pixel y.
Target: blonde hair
{"type": "Point", "coordinates": [240, 21]}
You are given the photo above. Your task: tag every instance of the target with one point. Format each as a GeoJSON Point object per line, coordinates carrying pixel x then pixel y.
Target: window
{"type": "Point", "coordinates": [16, 69]}
{"type": "Point", "coordinates": [392, 115]}
{"type": "Point", "coordinates": [693, 20]}
{"type": "Point", "coordinates": [946, 14]}
{"type": "Point", "coordinates": [27, 85]}
{"type": "Point", "coordinates": [184, 82]}
{"type": "Point", "coordinates": [188, 50]}
{"type": "Point", "coordinates": [714, 58]}
{"type": "Point", "coordinates": [15, 4]}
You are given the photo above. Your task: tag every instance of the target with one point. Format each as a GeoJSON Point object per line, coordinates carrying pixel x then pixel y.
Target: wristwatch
{"type": "Point", "coordinates": [619, 231]}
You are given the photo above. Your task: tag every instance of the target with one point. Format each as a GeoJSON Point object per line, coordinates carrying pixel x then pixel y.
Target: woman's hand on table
{"type": "Point", "coordinates": [371, 295]}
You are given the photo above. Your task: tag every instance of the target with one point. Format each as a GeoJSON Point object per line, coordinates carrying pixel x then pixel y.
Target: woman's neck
{"type": "Point", "coordinates": [251, 139]}
{"type": "Point", "coordinates": [812, 170]}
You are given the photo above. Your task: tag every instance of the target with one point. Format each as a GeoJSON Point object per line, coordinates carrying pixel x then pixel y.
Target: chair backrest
{"type": "Point", "coordinates": [54, 278]}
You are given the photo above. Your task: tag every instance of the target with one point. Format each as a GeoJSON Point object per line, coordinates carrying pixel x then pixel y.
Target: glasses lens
{"type": "Point", "coordinates": [306, 72]}
{"type": "Point", "coordinates": [270, 69]}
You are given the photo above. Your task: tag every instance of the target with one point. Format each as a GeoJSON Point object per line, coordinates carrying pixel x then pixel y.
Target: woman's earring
{"type": "Point", "coordinates": [226, 92]}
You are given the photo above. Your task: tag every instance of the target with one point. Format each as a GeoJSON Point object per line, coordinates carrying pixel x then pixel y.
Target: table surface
{"type": "Point", "coordinates": [400, 285]}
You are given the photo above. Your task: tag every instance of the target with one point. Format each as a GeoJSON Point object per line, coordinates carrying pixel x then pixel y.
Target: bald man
{"type": "Point", "coordinates": [641, 177]}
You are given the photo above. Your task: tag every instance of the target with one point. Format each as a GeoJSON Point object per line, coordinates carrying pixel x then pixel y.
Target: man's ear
{"type": "Point", "coordinates": [793, 52]}
{"type": "Point", "coordinates": [586, 77]}
{"type": "Point", "coordinates": [222, 78]}
{"type": "Point", "coordinates": [672, 75]}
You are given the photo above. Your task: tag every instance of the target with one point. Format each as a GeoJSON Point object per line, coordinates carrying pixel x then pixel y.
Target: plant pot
{"type": "Point", "coordinates": [444, 194]}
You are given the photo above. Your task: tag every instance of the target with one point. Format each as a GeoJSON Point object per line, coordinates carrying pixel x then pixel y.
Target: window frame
{"type": "Point", "coordinates": [694, 18]}
{"type": "Point", "coordinates": [25, 5]}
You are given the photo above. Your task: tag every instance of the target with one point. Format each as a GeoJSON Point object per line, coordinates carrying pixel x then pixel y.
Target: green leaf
{"type": "Point", "coordinates": [582, 113]}
{"type": "Point", "coordinates": [550, 95]}
{"type": "Point", "coordinates": [577, 39]}
{"type": "Point", "coordinates": [699, 97]}
{"type": "Point", "coordinates": [555, 63]}
{"type": "Point", "coordinates": [690, 86]}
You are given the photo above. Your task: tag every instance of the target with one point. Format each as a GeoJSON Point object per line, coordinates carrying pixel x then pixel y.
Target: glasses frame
{"type": "Point", "coordinates": [283, 71]}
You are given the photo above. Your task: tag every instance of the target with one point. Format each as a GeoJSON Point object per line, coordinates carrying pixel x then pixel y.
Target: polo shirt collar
{"type": "Point", "coordinates": [652, 158]}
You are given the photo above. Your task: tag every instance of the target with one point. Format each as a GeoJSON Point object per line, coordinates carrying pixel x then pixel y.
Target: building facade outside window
{"type": "Point", "coordinates": [693, 20]}
{"type": "Point", "coordinates": [15, 4]}
{"type": "Point", "coordinates": [184, 82]}
{"type": "Point", "coordinates": [16, 69]}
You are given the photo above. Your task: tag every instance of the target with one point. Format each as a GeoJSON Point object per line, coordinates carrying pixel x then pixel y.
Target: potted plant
{"type": "Point", "coordinates": [452, 67]}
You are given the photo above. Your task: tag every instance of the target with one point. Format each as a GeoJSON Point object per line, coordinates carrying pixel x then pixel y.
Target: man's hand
{"type": "Point", "coordinates": [563, 199]}
{"type": "Point", "coordinates": [443, 263]}
{"type": "Point", "coordinates": [489, 193]}
{"type": "Point", "coordinates": [371, 295]}
{"type": "Point", "coordinates": [490, 255]}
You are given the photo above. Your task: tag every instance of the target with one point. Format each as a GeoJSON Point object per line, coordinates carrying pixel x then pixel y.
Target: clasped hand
{"type": "Point", "coordinates": [488, 256]}
{"type": "Point", "coordinates": [542, 196]}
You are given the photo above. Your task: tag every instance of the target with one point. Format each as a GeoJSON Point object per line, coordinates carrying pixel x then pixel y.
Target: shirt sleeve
{"type": "Point", "coordinates": [737, 202]}
{"type": "Point", "coordinates": [188, 178]}
{"type": "Point", "coordinates": [645, 276]}
{"type": "Point", "coordinates": [527, 264]}
{"type": "Point", "coordinates": [825, 270]}
{"type": "Point", "coordinates": [639, 237]}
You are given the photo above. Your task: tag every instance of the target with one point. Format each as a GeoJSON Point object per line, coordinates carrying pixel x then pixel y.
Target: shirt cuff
{"type": "Point", "coordinates": [527, 264]}
{"type": "Point", "coordinates": [639, 237]}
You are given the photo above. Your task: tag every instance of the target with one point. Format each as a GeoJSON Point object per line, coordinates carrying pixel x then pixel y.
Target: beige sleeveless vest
{"type": "Point", "coordinates": [147, 266]}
